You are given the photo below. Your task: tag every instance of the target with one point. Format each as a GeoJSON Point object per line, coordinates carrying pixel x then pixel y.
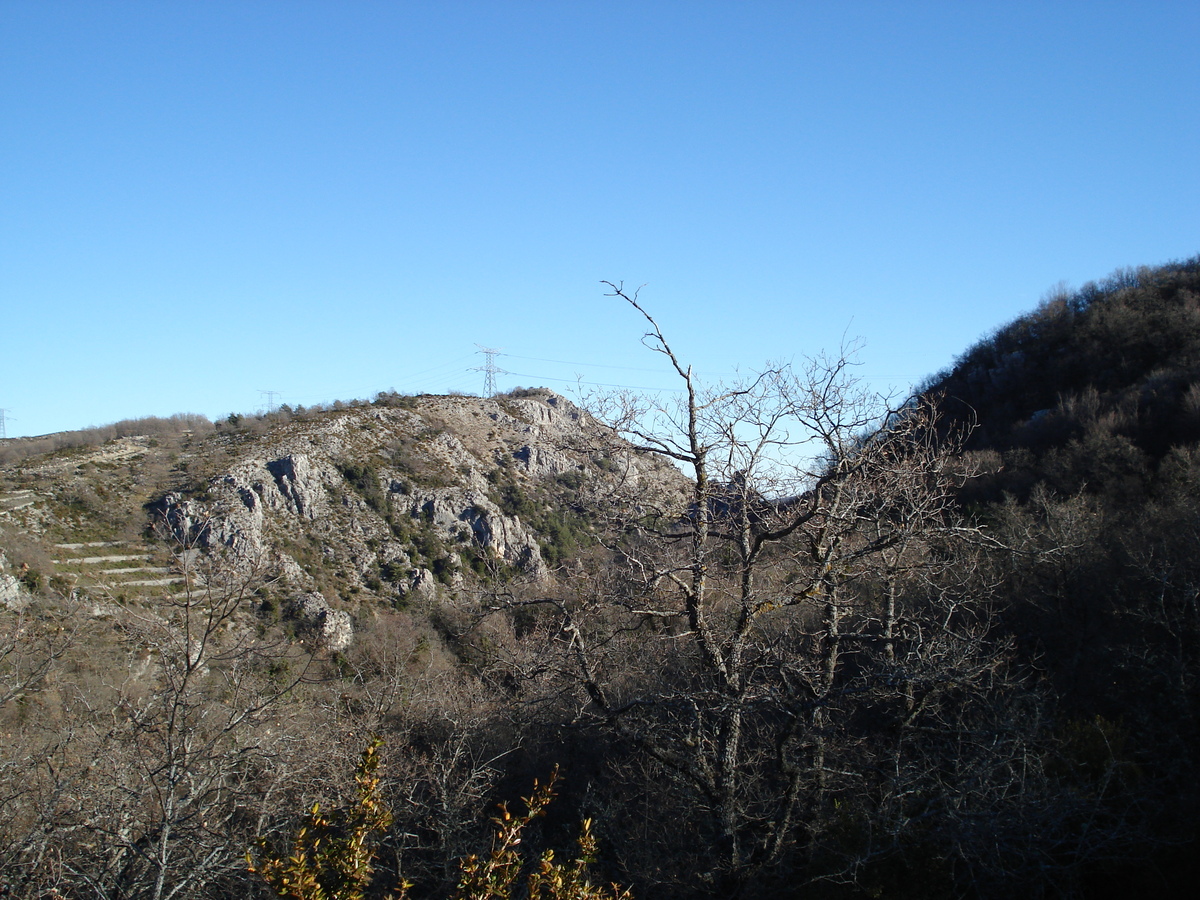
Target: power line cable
{"type": "Point", "coordinates": [588, 365]}
{"type": "Point", "coordinates": [452, 363]}
{"type": "Point", "coordinates": [432, 376]}
{"type": "Point", "coordinates": [629, 387]}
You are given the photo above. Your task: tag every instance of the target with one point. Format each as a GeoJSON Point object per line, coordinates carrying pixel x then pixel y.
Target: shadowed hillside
{"type": "Point", "coordinates": [1093, 390]}
{"type": "Point", "coordinates": [1086, 423]}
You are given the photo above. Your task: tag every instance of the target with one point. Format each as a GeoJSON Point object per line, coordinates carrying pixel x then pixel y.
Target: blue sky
{"type": "Point", "coordinates": [200, 201]}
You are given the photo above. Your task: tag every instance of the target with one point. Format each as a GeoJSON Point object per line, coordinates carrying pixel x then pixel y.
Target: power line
{"type": "Point", "coordinates": [448, 377]}
{"type": "Point", "coordinates": [588, 365]}
{"type": "Point", "coordinates": [451, 364]}
{"type": "Point", "coordinates": [271, 395]}
{"type": "Point", "coordinates": [490, 370]}
{"type": "Point", "coordinates": [445, 375]}
{"type": "Point", "coordinates": [629, 387]}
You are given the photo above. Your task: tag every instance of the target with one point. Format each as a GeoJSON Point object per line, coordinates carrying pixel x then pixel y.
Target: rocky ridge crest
{"type": "Point", "coordinates": [409, 500]}
{"type": "Point", "coordinates": [405, 499]}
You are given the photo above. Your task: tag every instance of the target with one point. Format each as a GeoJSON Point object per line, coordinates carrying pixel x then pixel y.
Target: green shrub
{"type": "Point", "coordinates": [364, 478]}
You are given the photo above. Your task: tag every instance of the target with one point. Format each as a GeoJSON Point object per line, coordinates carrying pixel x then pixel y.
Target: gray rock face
{"type": "Point", "coordinates": [246, 496]}
{"type": "Point", "coordinates": [422, 494]}
{"type": "Point", "coordinates": [187, 519]}
{"type": "Point", "coordinates": [12, 593]}
{"type": "Point", "coordinates": [319, 622]}
{"type": "Point", "coordinates": [422, 584]}
{"type": "Point", "coordinates": [456, 512]}
{"type": "Point", "coordinates": [301, 484]}
{"type": "Point", "coordinates": [549, 411]}
{"type": "Point", "coordinates": [293, 484]}
{"type": "Point", "coordinates": [545, 462]}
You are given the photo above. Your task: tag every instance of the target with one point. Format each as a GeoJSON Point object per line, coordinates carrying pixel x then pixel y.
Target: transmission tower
{"type": "Point", "coordinates": [489, 369]}
{"type": "Point", "coordinates": [3, 432]}
{"type": "Point", "coordinates": [271, 395]}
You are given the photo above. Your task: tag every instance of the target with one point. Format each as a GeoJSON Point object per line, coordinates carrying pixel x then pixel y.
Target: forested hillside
{"type": "Point", "coordinates": [1093, 390]}
{"type": "Point", "coordinates": [770, 638]}
{"type": "Point", "coordinates": [1084, 418]}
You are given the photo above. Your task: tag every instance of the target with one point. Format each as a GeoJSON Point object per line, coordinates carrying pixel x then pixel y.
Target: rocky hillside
{"type": "Point", "coordinates": [375, 503]}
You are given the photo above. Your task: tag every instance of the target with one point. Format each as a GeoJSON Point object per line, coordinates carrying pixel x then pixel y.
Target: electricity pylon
{"type": "Point", "coordinates": [489, 369]}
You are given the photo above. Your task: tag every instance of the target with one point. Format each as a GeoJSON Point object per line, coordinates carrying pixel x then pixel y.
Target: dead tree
{"type": "Point", "coordinates": [759, 640]}
{"type": "Point", "coordinates": [163, 758]}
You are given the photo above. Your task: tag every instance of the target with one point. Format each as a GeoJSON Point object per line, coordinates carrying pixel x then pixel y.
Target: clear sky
{"type": "Point", "coordinates": [200, 201]}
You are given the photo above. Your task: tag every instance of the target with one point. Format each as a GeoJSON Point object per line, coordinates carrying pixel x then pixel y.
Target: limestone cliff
{"type": "Point", "coordinates": [399, 500]}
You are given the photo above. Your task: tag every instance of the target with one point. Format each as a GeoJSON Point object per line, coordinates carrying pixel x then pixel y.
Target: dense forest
{"type": "Point", "coordinates": [948, 649]}
{"type": "Point", "coordinates": [1084, 422]}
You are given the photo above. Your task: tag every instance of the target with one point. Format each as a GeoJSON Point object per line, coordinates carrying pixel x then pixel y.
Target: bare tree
{"type": "Point", "coordinates": [197, 740]}
{"type": "Point", "coordinates": [795, 599]}
{"type": "Point", "coordinates": [154, 777]}
{"type": "Point", "coordinates": [35, 641]}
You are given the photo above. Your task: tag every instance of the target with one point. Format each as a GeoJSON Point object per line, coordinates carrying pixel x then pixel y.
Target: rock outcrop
{"type": "Point", "coordinates": [320, 623]}
{"type": "Point", "coordinates": [13, 595]}
{"type": "Point", "coordinates": [404, 500]}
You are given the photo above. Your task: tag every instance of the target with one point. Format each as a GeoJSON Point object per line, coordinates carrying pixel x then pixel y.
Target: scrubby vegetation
{"type": "Point", "coordinates": [175, 429]}
{"type": "Point", "coordinates": [951, 652]}
{"type": "Point", "coordinates": [1091, 391]}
